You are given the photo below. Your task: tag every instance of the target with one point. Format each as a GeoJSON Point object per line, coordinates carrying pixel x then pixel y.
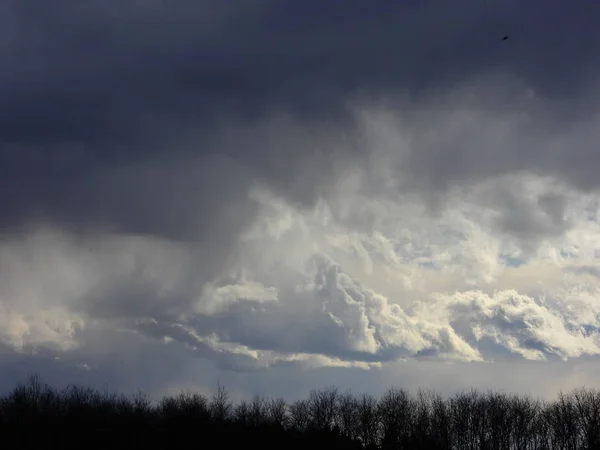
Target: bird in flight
{"type": "Point", "coordinates": [505, 38]}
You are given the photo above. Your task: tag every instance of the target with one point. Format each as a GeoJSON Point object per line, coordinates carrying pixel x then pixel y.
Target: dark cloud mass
{"type": "Point", "coordinates": [90, 87]}
{"type": "Point", "coordinates": [274, 184]}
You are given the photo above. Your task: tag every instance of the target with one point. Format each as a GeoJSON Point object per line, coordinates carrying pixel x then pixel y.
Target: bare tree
{"type": "Point", "coordinates": [497, 428]}
{"type": "Point", "coordinates": [299, 415]}
{"type": "Point", "coordinates": [241, 413]}
{"type": "Point", "coordinates": [193, 404]}
{"type": "Point", "coordinates": [141, 403]}
{"type": "Point", "coordinates": [467, 421]}
{"type": "Point", "coordinates": [395, 415]}
{"type": "Point", "coordinates": [544, 435]}
{"type": "Point", "coordinates": [368, 417]}
{"type": "Point", "coordinates": [322, 406]}
{"type": "Point", "coordinates": [220, 405]}
{"type": "Point", "coordinates": [561, 416]}
{"type": "Point", "coordinates": [421, 420]}
{"type": "Point", "coordinates": [277, 412]}
{"type": "Point", "coordinates": [524, 413]}
{"type": "Point", "coordinates": [441, 422]}
{"type": "Point", "coordinates": [258, 411]}
{"type": "Point", "coordinates": [348, 415]}
{"type": "Point", "coordinates": [587, 406]}
{"type": "Point", "coordinates": [427, 421]}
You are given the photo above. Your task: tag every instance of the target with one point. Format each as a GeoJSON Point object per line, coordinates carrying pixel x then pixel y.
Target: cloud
{"type": "Point", "coordinates": [99, 91]}
{"type": "Point", "coordinates": [278, 187]}
{"type": "Point", "coordinates": [304, 283]}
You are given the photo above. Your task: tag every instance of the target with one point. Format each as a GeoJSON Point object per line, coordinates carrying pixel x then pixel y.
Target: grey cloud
{"type": "Point", "coordinates": [158, 197]}
{"type": "Point", "coordinates": [155, 121]}
{"type": "Point", "coordinates": [591, 270]}
{"type": "Point", "coordinates": [111, 83]}
{"type": "Point", "coordinates": [528, 212]}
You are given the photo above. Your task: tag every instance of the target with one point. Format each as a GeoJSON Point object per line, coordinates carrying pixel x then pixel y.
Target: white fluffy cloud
{"type": "Point", "coordinates": [386, 266]}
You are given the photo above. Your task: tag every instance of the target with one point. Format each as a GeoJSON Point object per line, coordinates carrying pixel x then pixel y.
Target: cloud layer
{"type": "Point", "coordinates": [278, 188]}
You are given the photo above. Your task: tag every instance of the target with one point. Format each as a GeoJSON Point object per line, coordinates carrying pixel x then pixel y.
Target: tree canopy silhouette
{"type": "Point", "coordinates": [33, 414]}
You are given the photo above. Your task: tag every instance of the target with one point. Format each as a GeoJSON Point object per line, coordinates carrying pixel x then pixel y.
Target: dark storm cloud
{"type": "Point", "coordinates": [99, 97]}
{"type": "Point", "coordinates": [97, 72]}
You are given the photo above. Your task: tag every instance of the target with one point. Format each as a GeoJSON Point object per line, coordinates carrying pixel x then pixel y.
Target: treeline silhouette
{"type": "Point", "coordinates": [33, 414]}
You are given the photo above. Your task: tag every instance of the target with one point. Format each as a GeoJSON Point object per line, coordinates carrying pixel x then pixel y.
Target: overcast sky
{"type": "Point", "coordinates": [279, 195]}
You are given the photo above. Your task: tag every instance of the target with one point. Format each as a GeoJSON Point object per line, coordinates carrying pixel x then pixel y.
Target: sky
{"type": "Point", "coordinates": [278, 195]}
